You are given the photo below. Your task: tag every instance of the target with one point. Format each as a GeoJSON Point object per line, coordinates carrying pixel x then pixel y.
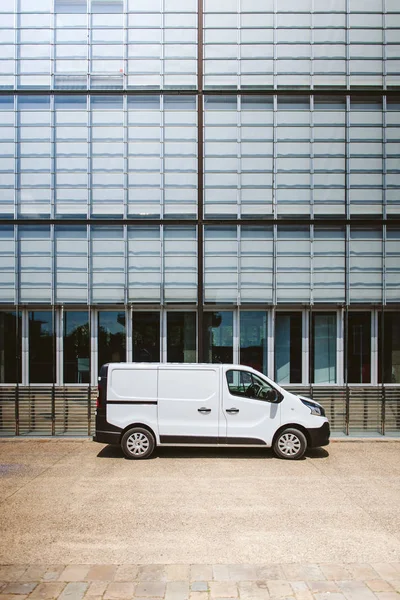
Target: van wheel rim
{"type": "Point", "coordinates": [137, 444]}
{"type": "Point", "coordinates": [289, 444]}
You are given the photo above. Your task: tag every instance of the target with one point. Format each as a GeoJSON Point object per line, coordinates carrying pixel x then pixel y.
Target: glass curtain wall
{"type": "Point", "coordinates": [76, 350]}
{"type": "Point", "coordinates": [111, 336]}
{"type": "Point", "coordinates": [253, 340]}
{"type": "Point", "coordinates": [218, 337]}
{"type": "Point", "coordinates": [10, 347]}
{"type": "Point", "coordinates": [181, 337]}
{"type": "Point", "coordinates": [288, 347]}
{"type": "Point", "coordinates": [41, 346]}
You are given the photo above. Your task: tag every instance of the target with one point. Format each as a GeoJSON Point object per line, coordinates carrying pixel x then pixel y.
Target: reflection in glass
{"type": "Point", "coordinates": [359, 347]}
{"type": "Point", "coordinates": [218, 337]}
{"type": "Point", "coordinates": [112, 343]}
{"type": "Point", "coordinates": [389, 347]}
{"type": "Point", "coordinates": [10, 347]}
{"type": "Point", "coordinates": [41, 347]}
{"type": "Point", "coordinates": [288, 338]}
{"type": "Point", "coordinates": [181, 337]}
{"type": "Point", "coordinates": [253, 340]}
{"type": "Point", "coordinates": [146, 336]}
{"type": "Point", "coordinates": [76, 347]}
{"type": "Point", "coordinates": [323, 355]}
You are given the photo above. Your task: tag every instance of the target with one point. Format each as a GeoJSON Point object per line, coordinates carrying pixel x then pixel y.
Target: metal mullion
{"type": "Point", "coordinates": [312, 156]}
{"type": "Point", "coordinates": [52, 44]}
{"type": "Point", "coordinates": [94, 345]}
{"type": "Point", "coordinates": [239, 160]}
{"type": "Point", "coordinates": [312, 46]}
{"type": "Point", "coordinates": [311, 265]}
{"type": "Point", "coordinates": [162, 157]}
{"type": "Point", "coordinates": [275, 75]}
{"type": "Point", "coordinates": [52, 158]}
{"type": "Point", "coordinates": [126, 280]}
{"type": "Point", "coordinates": [374, 347]}
{"type": "Point", "coordinates": [126, 163]}
{"type": "Point", "coordinates": [200, 183]}
{"type": "Point", "coordinates": [162, 266]}
{"type": "Point", "coordinates": [125, 45]}
{"type": "Point", "coordinates": [384, 157]}
{"type": "Point", "coordinates": [347, 30]}
{"type": "Point", "coordinates": [17, 152]}
{"type": "Point", "coordinates": [347, 159]}
{"type": "Point", "coordinates": [238, 263]}
{"type": "Point", "coordinates": [25, 346]}
{"type": "Point", "coordinates": [274, 265]}
{"type": "Point", "coordinates": [163, 335]}
{"type": "Point", "coordinates": [89, 158]}
{"type": "Point", "coordinates": [271, 338]}
{"type": "Point", "coordinates": [384, 46]}
{"type": "Point", "coordinates": [60, 346]}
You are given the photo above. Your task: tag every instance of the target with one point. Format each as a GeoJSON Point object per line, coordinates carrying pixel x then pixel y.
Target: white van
{"type": "Point", "coordinates": [144, 405]}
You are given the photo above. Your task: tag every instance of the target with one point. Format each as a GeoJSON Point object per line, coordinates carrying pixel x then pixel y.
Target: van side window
{"type": "Point", "coordinates": [248, 385]}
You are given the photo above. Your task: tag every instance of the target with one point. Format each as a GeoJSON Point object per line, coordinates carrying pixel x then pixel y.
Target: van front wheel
{"type": "Point", "coordinates": [290, 444]}
{"type": "Point", "coordinates": [138, 443]}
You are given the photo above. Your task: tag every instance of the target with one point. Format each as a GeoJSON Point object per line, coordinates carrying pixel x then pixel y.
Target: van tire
{"type": "Point", "coordinates": [290, 444]}
{"type": "Point", "coordinates": [138, 443]}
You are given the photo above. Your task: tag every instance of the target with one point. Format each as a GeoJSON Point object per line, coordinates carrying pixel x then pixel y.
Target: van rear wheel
{"type": "Point", "coordinates": [290, 444]}
{"type": "Point", "coordinates": [138, 443]}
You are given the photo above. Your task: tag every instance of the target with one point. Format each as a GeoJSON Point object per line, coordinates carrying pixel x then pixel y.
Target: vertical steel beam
{"type": "Point", "coordinates": [200, 185]}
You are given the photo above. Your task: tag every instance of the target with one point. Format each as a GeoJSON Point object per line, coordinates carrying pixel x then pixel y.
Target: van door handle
{"type": "Point", "coordinates": [232, 411]}
{"type": "Point", "coordinates": [204, 410]}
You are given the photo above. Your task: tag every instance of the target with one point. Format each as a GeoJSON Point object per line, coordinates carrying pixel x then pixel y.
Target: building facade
{"type": "Point", "coordinates": [199, 180]}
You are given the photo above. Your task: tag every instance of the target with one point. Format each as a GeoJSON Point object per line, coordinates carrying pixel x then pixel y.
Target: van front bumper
{"type": "Point", "coordinates": [319, 436]}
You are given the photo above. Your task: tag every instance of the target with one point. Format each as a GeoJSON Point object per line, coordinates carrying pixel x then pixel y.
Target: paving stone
{"type": "Point", "coordinates": [94, 597]}
{"type": "Point", "coordinates": [19, 588]}
{"type": "Point", "coordinates": [396, 565]}
{"type": "Point", "coordinates": [199, 586]}
{"type": "Point", "coordinates": [53, 572]}
{"type": "Point", "coordinates": [385, 570]}
{"type": "Point", "coordinates": [47, 591]}
{"type": "Point", "coordinates": [154, 589]}
{"type": "Point", "coordinates": [387, 595]}
{"type": "Point", "coordinates": [279, 589]}
{"type": "Point", "coordinates": [198, 596]}
{"type": "Point", "coordinates": [270, 572]}
{"type": "Point", "coordinates": [329, 596]}
{"type": "Point", "coordinates": [355, 590]}
{"type": "Point", "coordinates": [323, 586]}
{"type": "Point", "coordinates": [177, 590]}
{"type": "Point", "coordinates": [127, 573]}
{"type": "Point", "coordinates": [152, 573]}
{"type": "Point", "coordinates": [33, 573]}
{"type": "Point", "coordinates": [223, 589]}
{"type": "Point", "coordinates": [253, 590]}
{"type": "Point", "coordinates": [74, 573]}
{"type": "Point", "coordinates": [242, 572]}
{"type": "Point", "coordinates": [74, 591]}
{"type": "Point", "coordinates": [101, 573]}
{"type": "Point", "coordinates": [12, 597]}
{"type": "Point", "coordinates": [395, 583]}
{"type": "Point", "coordinates": [119, 590]}
{"type": "Point", "coordinates": [177, 572]}
{"type": "Point", "coordinates": [96, 588]}
{"type": "Point", "coordinates": [361, 571]}
{"type": "Point", "coordinates": [379, 585]}
{"type": "Point", "coordinates": [12, 572]}
{"type": "Point", "coordinates": [220, 572]}
{"type": "Point", "coordinates": [201, 573]}
{"type": "Point", "coordinates": [334, 571]}
{"type": "Point", "coordinates": [308, 572]}
{"type": "Point", "coordinates": [301, 590]}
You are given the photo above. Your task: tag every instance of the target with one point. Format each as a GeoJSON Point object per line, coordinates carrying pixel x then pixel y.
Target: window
{"type": "Point", "coordinates": [76, 347]}
{"type": "Point", "coordinates": [389, 347]}
{"type": "Point", "coordinates": [253, 340]}
{"type": "Point", "coordinates": [359, 347]}
{"type": "Point", "coordinates": [218, 337]}
{"type": "Point", "coordinates": [10, 347]}
{"type": "Point", "coordinates": [181, 337]}
{"type": "Point", "coordinates": [288, 343]}
{"type": "Point", "coordinates": [112, 344]}
{"type": "Point", "coordinates": [323, 354]}
{"type": "Point", "coordinates": [248, 385]}
{"type": "Point", "coordinates": [41, 347]}
{"type": "Point", "coordinates": [146, 336]}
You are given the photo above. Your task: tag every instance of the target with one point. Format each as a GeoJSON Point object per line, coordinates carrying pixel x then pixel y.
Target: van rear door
{"type": "Point", "coordinates": [188, 404]}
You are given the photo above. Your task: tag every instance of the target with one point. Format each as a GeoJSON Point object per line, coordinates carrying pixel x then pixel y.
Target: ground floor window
{"type": "Point", "coordinates": [10, 347]}
{"type": "Point", "coordinates": [146, 336]}
{"type": "Point", "coordinates": [181, 337]}
{"type": "Point", "coordinates": [41, 347]}
{"type": "Point", "coordinates": [76, 352]}
{"type": "Point", "coordinates": [253, 340]}
{"type": "Point", "coordinates": [323, 348]}
{"type": "Point", "coordinates": [288, 347]}
{"type": "Point", "coordinates": [359, 347]}
{"type": "Point", "coordinates": [218, 336]}
{"type": "Point", "coordinates": [389, 347]}
{"type": "Point", "coordinates": [111, 336]}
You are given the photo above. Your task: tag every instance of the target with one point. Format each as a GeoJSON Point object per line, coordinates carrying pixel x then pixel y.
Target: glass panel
{"type": "Point", "coordinates": [359, 347]}
{"type": "Point", "coordinates": [389, 348]}
{"type": "Point", "coordinates": [112, 343]}
{"type": "Point", "coordinates": [218, 337]}
{"type": "Point", "coordinates": [181, 337]}
{"type": "Point", "coordinates": [323, 354]}
{"type": "Point", "coordinates": [41, 347]}
{"type": "Point", "coordinates": [253, 340]}
{"type": "Point", "coordinates": [76, 347]}
{"type": "Point", "coordinates": [146, 336]}
{"type": "Point", "coordinates": [288, 342]}
{"type": "Point", "coordinates": [10, 347]}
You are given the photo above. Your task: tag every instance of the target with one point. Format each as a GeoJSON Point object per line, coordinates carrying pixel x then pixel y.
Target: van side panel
{"type": "Point", "coordinates": [188, 403]}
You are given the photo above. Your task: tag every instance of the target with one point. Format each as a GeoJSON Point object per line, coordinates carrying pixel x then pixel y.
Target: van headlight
{"type": "Point", "coordinates": [315, 409]}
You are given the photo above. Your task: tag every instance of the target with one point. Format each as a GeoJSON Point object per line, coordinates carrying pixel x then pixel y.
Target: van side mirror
{"type": "Point", "coordinates": [272, 395]}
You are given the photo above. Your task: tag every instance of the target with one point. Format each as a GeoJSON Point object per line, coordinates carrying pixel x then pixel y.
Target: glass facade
{"type": "Point", "coordinates": [200, 180]}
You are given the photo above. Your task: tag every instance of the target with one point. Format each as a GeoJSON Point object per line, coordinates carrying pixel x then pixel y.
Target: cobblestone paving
{"type": "Point", "coordinates": [323, 581]}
